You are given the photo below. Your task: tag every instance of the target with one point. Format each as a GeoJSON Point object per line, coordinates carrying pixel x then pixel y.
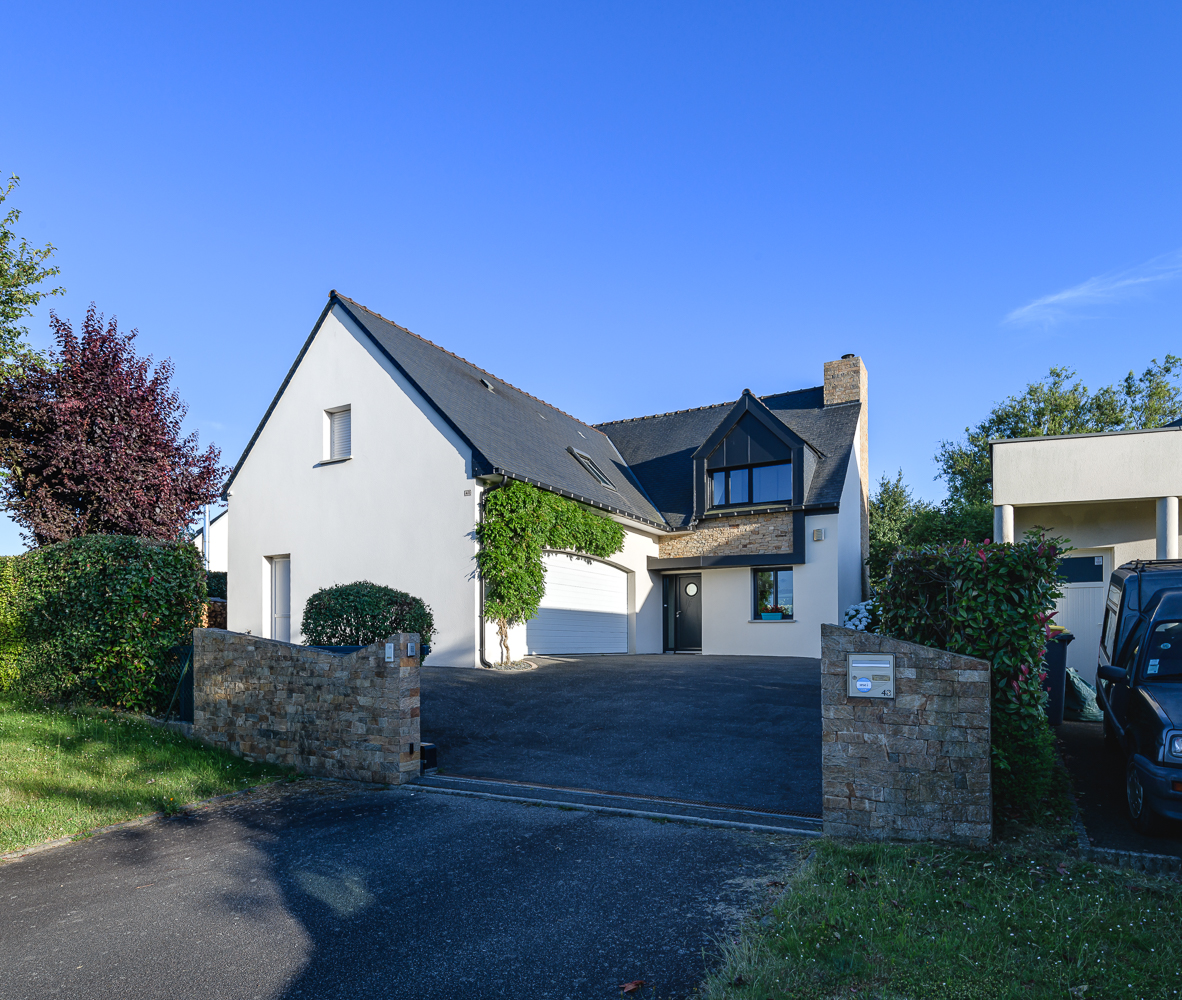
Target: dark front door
{"type": "Point", "coordinates": [687, 621]}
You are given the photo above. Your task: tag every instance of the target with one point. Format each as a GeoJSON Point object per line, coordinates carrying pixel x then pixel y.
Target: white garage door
{"type": "Point", "coordinates": [585, 609]}
{"type": "Point", "coordinates": [1081, 610]}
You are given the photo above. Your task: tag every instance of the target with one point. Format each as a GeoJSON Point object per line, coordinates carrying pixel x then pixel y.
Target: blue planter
{"type": "Point", "coordinates": [771, 616]}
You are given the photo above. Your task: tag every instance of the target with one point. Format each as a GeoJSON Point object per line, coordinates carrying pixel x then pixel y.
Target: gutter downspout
{"type": "Point", "coordinates": [483, 625]}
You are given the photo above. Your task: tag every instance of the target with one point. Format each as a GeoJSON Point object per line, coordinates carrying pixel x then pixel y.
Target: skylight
{"type": "Point", "coordinates": [588, 463]}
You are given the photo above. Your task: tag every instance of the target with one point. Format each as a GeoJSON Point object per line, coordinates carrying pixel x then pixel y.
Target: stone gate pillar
{"type": "Point", "coordinates": [912, 767]}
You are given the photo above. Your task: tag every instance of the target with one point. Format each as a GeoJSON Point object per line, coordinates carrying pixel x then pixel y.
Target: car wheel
{"type": "Point", "coordinates": [1141, 814]}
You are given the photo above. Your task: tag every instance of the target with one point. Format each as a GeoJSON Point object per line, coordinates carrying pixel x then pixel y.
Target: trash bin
{"type": "Point", "coordinates": [1056, 680]}
{"type": "Point", "coordinates": [428, 758]}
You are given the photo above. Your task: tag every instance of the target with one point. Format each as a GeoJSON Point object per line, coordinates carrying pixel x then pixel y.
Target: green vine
{"type": "Point", "coordinates": [519, 522]}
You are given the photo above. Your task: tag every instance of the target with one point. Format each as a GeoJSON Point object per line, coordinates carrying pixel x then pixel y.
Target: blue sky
{"type": "Point", "coordinates": [622, 208]}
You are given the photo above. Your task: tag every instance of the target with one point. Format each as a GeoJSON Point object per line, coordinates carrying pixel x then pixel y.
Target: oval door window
{"type": "Point", "coordinates": [691, 589]}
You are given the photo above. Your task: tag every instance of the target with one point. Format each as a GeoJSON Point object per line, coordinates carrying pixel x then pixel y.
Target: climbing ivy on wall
{"type": "Point", "coordinates": [519, 522]}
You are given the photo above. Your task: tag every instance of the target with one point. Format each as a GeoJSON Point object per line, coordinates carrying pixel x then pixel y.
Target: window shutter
{"type": "Point", "coordinates": [341, 434]}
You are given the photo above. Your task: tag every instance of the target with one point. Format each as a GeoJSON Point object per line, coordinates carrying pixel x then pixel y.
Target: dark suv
{"type": "Point", "coordinates": [1139, 685]}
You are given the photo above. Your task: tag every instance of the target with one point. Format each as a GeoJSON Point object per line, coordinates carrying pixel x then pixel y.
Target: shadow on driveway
{"type": "Point", "coordinates": [740, 731]}
{"type": "Point", "coordinates": [396, 894]}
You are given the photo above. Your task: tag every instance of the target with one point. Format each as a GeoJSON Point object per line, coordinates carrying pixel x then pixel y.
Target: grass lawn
{"type": "Point", "coordinates": [880, 921]}
{"type": "Point", "coordinates": [63, 773]}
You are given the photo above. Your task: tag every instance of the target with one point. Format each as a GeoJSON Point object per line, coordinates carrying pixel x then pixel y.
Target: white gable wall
{"type": "Point", "coordinates": [394, 514]}
{"type": "Point", "coordinates": [219, 554]}
{"type": "Point", "coordinates": [849, 536]}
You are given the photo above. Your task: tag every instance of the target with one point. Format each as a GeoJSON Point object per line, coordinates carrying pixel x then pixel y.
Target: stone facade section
{"type": "Point", "coordinates": [916, 767]}
{"type": "Point", "coordinates": [351, 716]}
{"type": "Point", "coordinates": [741, 535]}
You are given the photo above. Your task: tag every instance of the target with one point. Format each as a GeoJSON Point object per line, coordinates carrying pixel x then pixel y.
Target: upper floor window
{"type": "Point", "coordinates": [340, 432]}
{"type": "Point", "coordinates": [752, 484]}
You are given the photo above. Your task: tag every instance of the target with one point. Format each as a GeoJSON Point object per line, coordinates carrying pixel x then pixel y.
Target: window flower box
{"type": "Point", "coordinates": [771, 616]}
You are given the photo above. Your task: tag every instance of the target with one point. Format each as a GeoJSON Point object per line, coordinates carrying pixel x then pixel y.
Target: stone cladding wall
{"type": "Point", "coordinates": [845, 381]}
{"type": "Point", "coordinates": [353, 716]}
{"type": "Point", "coordinates": [743, 534]}
{"type": "Point", "coordinates": [912, 768]}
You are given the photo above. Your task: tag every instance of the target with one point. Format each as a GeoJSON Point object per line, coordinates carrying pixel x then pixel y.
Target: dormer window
{"type": "Point", "coordinates": [752, 484]}
{"type": "Point", "coordinates": [752, 458]}
{"type": "Point", "coordinates": [588, 463]}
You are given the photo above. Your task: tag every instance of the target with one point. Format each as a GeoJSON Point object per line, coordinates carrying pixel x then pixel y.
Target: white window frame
{"type": "Point", "coordinates": [326, 444]}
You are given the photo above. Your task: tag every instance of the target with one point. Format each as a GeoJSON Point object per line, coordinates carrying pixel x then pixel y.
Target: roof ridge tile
{"type": "Point", "coordinates": [670, 413]}
{"type": "Point", "coordinates": [708, 406]}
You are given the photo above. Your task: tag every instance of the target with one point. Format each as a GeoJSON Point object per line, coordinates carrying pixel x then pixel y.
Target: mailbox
{"type": "Point", "coordinates": [870, 675]}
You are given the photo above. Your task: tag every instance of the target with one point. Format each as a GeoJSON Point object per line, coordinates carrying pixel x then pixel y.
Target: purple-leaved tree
{"type": "Point", "coordinates": [91, 443]}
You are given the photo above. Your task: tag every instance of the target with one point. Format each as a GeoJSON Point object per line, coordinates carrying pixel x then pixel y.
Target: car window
{"type": "Point", "coordinates": [1128, 653]}
{"type": "Point", "coordinates": [1108, 632]}
{"type": "Point", "coordinates": [1163, 659]}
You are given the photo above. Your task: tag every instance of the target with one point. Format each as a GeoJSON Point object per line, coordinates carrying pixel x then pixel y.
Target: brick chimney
{"type": "Point", "coordinates": [845, 382]}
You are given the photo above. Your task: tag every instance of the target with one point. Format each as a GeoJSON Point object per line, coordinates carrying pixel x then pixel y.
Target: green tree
{"type": "Point", "coordinates": [898, 520]}
{"type": "Point", "coordinates": [519, 521]}
{"type": "Point", "coordinates": [1058, 404]}
{"type": "Point", "coordinates": [21, 268]}
{"type": "Point", "coordinates": [892, 513]}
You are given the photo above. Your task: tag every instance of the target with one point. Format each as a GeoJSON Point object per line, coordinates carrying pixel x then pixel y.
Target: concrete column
{"type": "Point", "coordinates": [1167, 528]}
{"type": "Point", "coordinates": [1003, 523]}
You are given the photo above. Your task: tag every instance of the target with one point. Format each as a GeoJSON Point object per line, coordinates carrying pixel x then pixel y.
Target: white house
{"type": "Point", "coordinates": [219, 542]}
{"type": "Point", "coordinates": [372, 460]}
{"type": "Point", "coordinates": [1114, 495]}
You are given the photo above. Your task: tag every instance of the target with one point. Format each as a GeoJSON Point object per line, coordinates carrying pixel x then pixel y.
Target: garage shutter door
{"type": "Point", "coordinates": [585, 609]}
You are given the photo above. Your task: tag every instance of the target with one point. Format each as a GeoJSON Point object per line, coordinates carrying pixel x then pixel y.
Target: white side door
{"type": "Point", "coordinates": [584, 610]}
{"type": "Point", "coordinates": [281, 598]}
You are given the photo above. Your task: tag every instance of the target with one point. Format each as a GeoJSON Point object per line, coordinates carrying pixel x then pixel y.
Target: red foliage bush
{"type": "Point", "coordinates": [92, 442]}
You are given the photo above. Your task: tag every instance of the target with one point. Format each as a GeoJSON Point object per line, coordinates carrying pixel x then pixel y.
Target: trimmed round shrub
{"type": "Point", "coordinates": [357, 614]}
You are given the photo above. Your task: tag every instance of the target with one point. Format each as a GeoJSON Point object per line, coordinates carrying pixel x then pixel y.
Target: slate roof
{"type": "Point", "coordinates": [509, 430]}
{"type": "Point", "coordinates": [648, 459]}
{"type": "Point", "coordinates": [659, 449]}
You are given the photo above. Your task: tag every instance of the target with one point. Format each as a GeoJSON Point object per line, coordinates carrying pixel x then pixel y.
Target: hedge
{"type": "Point", "coordinates": [357, 614]}
{"type": "Point", "coordinates": [993, 601]}
{"type": "Point", "coordinates": [96, 615]}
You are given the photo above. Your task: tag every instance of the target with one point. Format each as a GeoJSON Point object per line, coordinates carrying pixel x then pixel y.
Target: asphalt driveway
{"type": "Point", "coordinates": [740, 731]}
{"type": "Point", "coordinates": [1099, 777]}
{"type": "Point", "coordinates": [402, 894]}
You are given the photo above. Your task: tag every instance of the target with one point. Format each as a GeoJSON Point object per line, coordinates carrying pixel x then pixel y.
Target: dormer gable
{"type": "Point", "coordinates": [751, 436]}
